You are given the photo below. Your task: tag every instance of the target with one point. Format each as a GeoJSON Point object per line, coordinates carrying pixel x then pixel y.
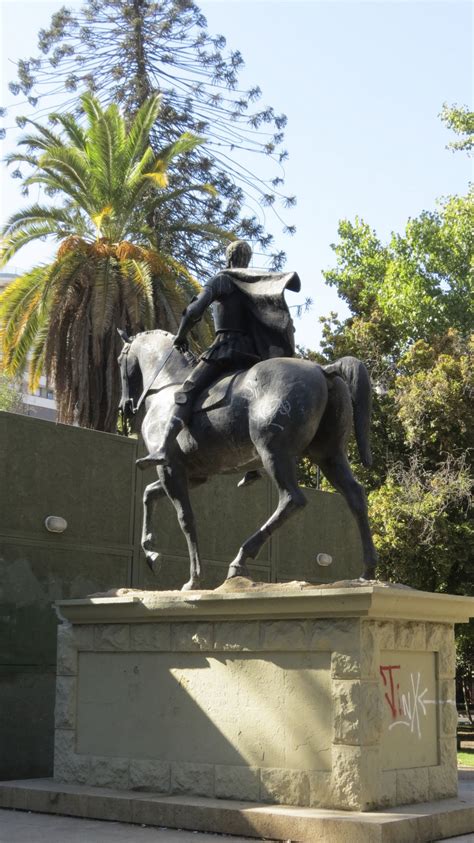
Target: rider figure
{"type": "Point", "coordinates": [252, 323]}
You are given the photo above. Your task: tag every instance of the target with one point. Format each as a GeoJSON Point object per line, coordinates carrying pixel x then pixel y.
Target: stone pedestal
{"type": "Point", "coordinates": [337, 697]}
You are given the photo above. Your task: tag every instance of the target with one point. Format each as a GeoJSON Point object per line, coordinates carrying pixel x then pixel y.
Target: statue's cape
{"type": "Point", "coordinates": [270, 323]}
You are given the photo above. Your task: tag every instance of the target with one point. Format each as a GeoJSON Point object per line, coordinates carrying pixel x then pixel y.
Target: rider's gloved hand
{"type": "Point", "coordinates": [181, 343]}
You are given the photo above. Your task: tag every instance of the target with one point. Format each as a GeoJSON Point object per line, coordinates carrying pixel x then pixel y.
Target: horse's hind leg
{"type": "Point", "coordinates": [175, 483]}
{"type": "Point", "coordinates": [338, 472]}
{"type": "Point", "coordinates": [281, 468]}
{"type": "Point", "coordinates": [152, 493]}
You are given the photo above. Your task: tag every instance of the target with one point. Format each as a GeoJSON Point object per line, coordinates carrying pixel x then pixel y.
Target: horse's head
{"type": "Point", "coordinates": [144, 361]}
{"type": "Point", "coordinates": [130, 376]}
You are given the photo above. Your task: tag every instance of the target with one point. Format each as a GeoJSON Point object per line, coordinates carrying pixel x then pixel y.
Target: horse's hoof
{"type": "Point", "coordinates": [151, 460]}
{"type": "Point", "coordinates": [237, 571]}
{"type": "Point", "coordinates": [192, 584]}
{"type": "Point", "coordinates": [153, 560]}
{"type": "Point", "coordinates": [249, 478]}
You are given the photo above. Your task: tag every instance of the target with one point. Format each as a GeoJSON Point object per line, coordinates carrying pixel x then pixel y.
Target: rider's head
{"type": "Point", "coordinates": [238, 255]}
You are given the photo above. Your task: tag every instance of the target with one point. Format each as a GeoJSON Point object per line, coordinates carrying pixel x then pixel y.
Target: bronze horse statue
{"type": "Point", "coordinates": [268, 416]}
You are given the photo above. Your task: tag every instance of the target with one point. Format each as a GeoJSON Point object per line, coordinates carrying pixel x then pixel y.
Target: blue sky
{"type": "Point", "coordinates": [362, 85]}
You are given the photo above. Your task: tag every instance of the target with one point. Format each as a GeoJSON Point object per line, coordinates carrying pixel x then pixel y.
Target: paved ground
{"type": "Point", "coordinates": [25, 827]}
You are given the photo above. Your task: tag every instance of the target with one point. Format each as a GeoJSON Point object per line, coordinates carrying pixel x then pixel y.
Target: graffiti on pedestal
{"type": "Point", "coordinates": [407, 700]}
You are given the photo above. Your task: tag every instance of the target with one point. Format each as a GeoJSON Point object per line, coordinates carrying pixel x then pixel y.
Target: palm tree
{"type": "Point", "coordinates": [61, 318]}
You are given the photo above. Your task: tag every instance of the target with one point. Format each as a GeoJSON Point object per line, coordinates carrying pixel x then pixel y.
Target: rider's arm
{"type": "Point", "coordinates": [194, 312]}
{"type": "Point", "coordinates": [218, 287]}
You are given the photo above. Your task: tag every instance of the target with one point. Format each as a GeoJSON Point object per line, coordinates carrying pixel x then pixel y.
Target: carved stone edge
{"type": "Point", "coordinates": [365, 601]}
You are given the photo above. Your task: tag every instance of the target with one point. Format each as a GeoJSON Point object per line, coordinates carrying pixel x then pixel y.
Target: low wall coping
{"type": "Point", "coordinates": [270, 600]}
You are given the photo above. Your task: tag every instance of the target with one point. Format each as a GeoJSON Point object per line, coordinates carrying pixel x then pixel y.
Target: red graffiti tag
{"type": "Point", "coordinates": [386, 671]}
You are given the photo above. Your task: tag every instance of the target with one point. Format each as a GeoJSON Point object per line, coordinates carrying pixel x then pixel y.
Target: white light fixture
{"type": "Point", "coordinates": [55, 524]}
{"type": "Point", "coordinates": [324, 559]}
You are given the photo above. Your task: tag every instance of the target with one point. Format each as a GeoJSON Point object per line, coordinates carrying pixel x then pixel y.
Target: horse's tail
{"type": "Point", "coordinates": [357, 378]}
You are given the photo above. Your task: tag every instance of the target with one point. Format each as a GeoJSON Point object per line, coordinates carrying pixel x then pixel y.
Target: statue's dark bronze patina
{"type": "Point", "coordinates": [244, 406]}
{"type": "Point", "coordinates": [252, 323]}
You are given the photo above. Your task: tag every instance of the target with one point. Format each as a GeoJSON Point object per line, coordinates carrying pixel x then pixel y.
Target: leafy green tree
{"type": "Point", "coordinates": [412, 322]}
{"type": "Point", "coordinates": [422, 529]}
{"type": "Point", "coordinates": [465, 665]}
{"type": "Point", "coordinates": [126, 50]}
{"type": "Point", "coordinates": [461, 121]}
{"type": "Point", "coordinates": [419, 285]}
{"type": "Point", "coordinates": [434, 395]}
{"type": "Point", "coordinates": [62, 318]}
{"type": "Point", "coordinates": [11, 399]}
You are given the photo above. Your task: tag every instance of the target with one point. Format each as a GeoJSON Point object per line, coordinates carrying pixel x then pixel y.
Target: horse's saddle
{"type": "Point", "coordinates": [218, 394]}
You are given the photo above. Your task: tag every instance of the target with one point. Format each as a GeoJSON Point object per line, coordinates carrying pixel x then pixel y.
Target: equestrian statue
{"type": "Point", "coordinates": [246, 404]}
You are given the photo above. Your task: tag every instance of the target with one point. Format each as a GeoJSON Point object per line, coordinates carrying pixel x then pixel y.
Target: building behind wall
{"type": "Point", "coordinates": [40, 403]}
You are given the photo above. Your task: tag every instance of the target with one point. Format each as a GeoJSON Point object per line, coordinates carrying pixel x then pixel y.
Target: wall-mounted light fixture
{"type": "Point", "coordinates": [324, 559]}
{"type": "Point", "coordinates": [55, 524]}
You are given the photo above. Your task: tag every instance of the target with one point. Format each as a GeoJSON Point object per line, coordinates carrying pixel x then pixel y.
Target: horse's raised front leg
{"type": "Point", "coordinates": [281, 468]}
{"type": "Point", "coordinates": [338, 472]}
{"type": "Point", "coordinates": [151, 494]}
{"type": "Point", "coordinates": [175, 484]}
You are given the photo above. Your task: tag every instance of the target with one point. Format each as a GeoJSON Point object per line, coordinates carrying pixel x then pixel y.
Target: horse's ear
{"type": "Point", "coordinates": [123, 335]}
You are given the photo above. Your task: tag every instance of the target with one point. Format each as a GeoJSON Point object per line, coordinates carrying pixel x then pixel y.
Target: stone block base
{"type": "Point", "coordinates": [420, 823]}
{"type": "Point", "coordinates": [337, 698]}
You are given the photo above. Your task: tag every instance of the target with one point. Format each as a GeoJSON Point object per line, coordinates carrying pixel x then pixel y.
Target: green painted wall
{"type": "Point", "coordinates": [89, 478]}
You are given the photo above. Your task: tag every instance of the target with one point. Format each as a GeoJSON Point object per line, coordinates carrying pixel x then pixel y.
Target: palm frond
{"type": "Point", "coordinates": [186, 143]}
{"type": "Point", "coordinates": [36, 214]}
{"type": "Point", "coordinates": [37, 356]}
{"type": "Point", "coordinates": [137, 291]}
{"type": "Point", "coordinates": [71, 164]}
{"type": "Point", "coordinates": [11, 245]}
{"type": "Point", "coordinates": [43, 140]}
{"type": "Point", "coordinates": [91, 107]}
{"type": "Point", "coordinates": [169, 195]}
{"type": "Point", "coordinates": [20, 317]}
{"type": "Point", "coordinates": [138, 135]}
{"type": "Point", "coordinates": [159, 177]}
{"type": "Point", "coordinates": [103, 297]}
{"type": "Point", "coordinates": [98, 219]}
{"type": "Point", "coordinates": [100, 154]}
{"type": "Point", "coordinates": [20, 158]}
{"type": "Point", "coordinates": [73, 131]}
{"type": "Point", "coordinates": [59, 184]}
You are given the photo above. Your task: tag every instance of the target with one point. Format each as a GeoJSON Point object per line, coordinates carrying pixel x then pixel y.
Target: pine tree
{"type": "Point", "coordinates": [125, 50]}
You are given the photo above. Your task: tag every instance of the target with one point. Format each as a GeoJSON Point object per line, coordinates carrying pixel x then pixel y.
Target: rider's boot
{"type": "Point", "coordinates": [173, 428]}
{"type": "Point", "coordinates": [202, 375]}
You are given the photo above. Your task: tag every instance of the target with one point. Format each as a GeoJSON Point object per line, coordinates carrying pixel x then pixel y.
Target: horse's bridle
{"type": "Point", "coordinates": [126, 400]}
{"type": "Point", "coordinates": [153, 379]}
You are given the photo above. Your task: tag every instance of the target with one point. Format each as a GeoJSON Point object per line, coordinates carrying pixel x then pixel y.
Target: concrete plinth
{"type": "Point", "coordinates": [334, 698]}
{"type": "Point", "coordinates": [414, 824]}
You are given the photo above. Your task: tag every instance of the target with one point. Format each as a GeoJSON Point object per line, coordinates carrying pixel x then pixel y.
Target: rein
{"type": "Point", "coordinates": [152, 380]}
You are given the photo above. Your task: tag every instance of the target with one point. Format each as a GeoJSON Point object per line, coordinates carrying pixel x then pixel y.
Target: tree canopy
{"type": "Point", "coordinates": [124, 51]}
{"type": "Point", "coordinates": [411, 320]}
{"type": "Point", "coordinates": [461, 121]}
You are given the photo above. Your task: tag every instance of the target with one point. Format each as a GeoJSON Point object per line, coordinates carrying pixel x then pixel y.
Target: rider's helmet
{"type": "Point", "coordinates": [238, 255]}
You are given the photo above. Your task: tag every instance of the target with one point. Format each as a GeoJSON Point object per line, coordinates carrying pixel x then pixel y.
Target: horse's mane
{"type": "Point", "coordinates": [177, 366]}
{"type": "Point", "coordinates": [152, 331]}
